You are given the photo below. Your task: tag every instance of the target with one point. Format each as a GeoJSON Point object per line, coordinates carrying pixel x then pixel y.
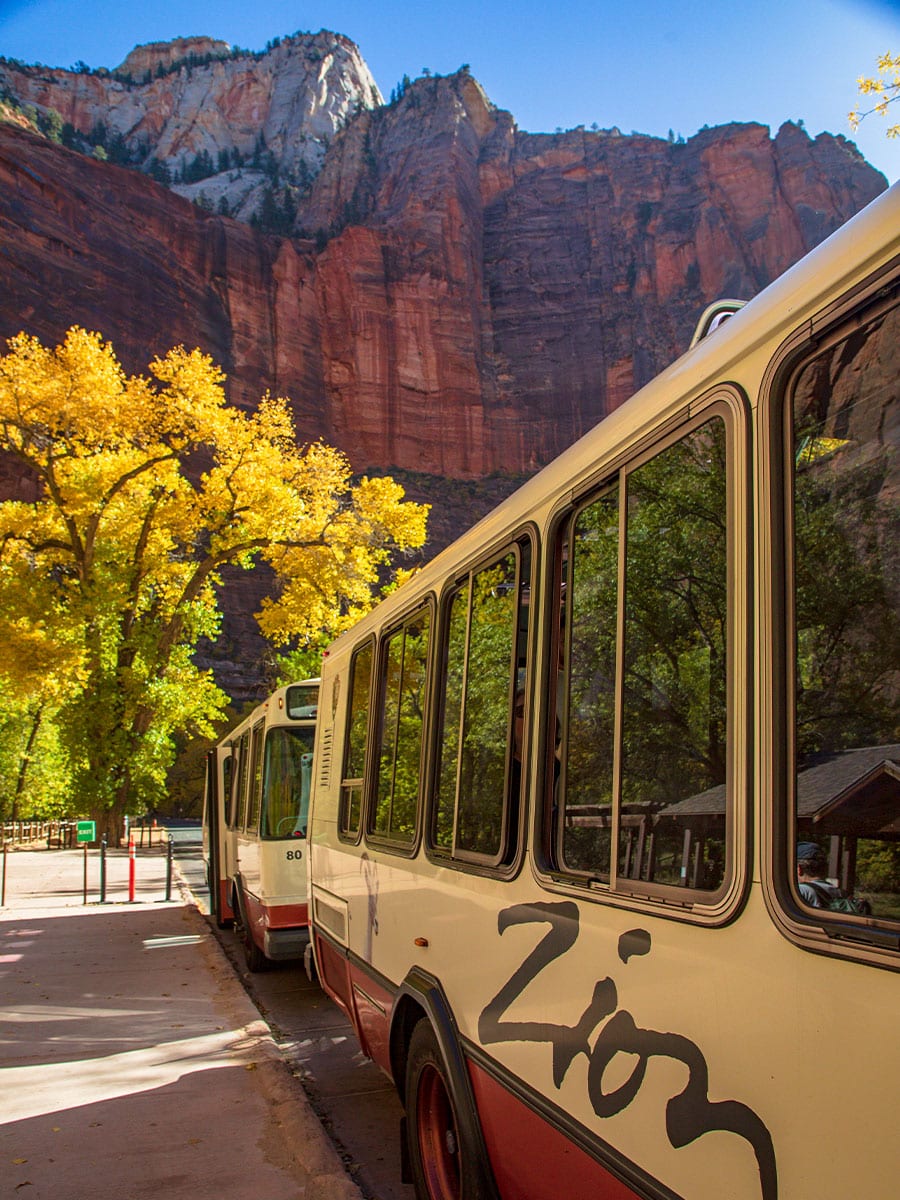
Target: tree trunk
{"type": "Point", "coordinates": [24, 762]}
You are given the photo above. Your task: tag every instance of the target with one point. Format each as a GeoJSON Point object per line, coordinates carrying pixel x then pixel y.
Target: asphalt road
{"type": "Point", "coordinates": [355, 1102]}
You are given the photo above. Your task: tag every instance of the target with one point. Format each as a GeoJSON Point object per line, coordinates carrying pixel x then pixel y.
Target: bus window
{"type": "Point", "coordinates": [352, 777]}
{"type": "Point", "coordinates": [255, 790]}
{"type": "Point", "coordinates": [402, 699]}
{"type": "Point", "coordinates": [674, 695]}
{"type": "Point", "coordinates": [286, 778]}
{"type": "Point", "coordinates": [302, 701]}
{"type": "Point", "coordinates": [845, 471]}
{"type": "Point", "coordinates": [242, 781]}
{"type": "Point", "coordinates": [585, 833]}
{"type": "Point", "coordinates": [479, 774]}
{"type": "Point", "coordinates": [642, 695]}
{"type": "Point", "coordinates": [227, 769]}
{"type": "Point", "coordinates": [231, 785]}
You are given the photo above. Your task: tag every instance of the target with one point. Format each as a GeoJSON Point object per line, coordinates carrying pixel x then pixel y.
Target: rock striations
{"type": "Point", "coordinates": [453, 300]}
{"type": "Point", "coordinates": [174, 106]}
{"type": "Point", "coordinates": [456, 297]}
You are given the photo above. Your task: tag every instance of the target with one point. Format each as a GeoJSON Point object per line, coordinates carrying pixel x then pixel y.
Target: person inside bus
{"type": "Point", "coordinates": [815, 888]}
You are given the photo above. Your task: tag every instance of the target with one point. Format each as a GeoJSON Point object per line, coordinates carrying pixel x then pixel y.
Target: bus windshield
{"type": "Point", "coordinates": [286, 780]}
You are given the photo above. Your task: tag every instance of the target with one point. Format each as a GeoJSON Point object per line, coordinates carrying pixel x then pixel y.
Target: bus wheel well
{"type": "Point", "coordinates": [406, 1017]}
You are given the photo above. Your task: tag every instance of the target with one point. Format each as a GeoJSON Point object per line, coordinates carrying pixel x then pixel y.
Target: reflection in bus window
{"type": "Point", "coordinates": [846, 490]}
{"type": "Point", "coordinates": [357, 736]}
{"type": "Point", "coordinates": [402, 716]}
{"type": "Point", "coordinates": [668, 807]}
{"type": "Point", "coordinates": [302, 701]}
{"type": "Point", "coordinates": [674, 704]}
{"type": "Point", "coordinates": [241, 782]}
{"type": "Point", "coordinates": [286, 780]}
{"type": "Point", "coordinates": [479, 771]}
{"type": "Point", "coordinates": [593, 557]}
{"type": "Point", "coordinates": [255, 798]}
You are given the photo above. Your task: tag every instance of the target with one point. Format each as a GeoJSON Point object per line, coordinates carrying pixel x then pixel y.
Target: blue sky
{"type": "Point", "coordinates": [644, 65]}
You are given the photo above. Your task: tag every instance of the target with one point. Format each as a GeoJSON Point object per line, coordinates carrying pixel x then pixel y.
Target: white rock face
{"type": "Point", "coordinates": [154, 54]}
{"type": "Point", "coordinates": [242, 192]}
{"type": "Point", "coordinates": [279, 107]}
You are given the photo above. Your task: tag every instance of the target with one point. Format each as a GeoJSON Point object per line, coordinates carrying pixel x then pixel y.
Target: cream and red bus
{"type": "Point", "coordinates": [254, 824]}
{"type": "Point", "coordinates": [605, 827]}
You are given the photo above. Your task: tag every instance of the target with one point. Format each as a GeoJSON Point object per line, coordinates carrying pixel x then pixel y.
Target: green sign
{"type": "Point", "coordinates": [86, 831]}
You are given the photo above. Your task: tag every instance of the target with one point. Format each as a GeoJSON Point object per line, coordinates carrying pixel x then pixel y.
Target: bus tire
{"type": "Point", "coordinates": [441, 1161]}
{"type": "Point", "coordinates": [254, 957]}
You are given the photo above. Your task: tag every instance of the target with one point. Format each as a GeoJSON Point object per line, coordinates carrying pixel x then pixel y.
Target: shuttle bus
{"type": "Point", "coordinates": [254, 824]}
{"type": "Point", "coordinates": [605, 828]}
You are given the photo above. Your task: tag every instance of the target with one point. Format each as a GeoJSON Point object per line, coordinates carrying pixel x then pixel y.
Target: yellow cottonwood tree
{"type": "Point", "coordinates": [149, 486]}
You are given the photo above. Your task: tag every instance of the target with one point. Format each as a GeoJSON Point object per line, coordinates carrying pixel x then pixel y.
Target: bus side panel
{"type": "Point", "coordinates": [247, 864]}
{"type": "Point", "coordinates": [517, 1138]}
{"type": "Point", "coordinates": [255, 916]}
{"type": "Point", "coordinates": [334, 974]}
{"type": "Point", "coordinates": [374, 1005]}
{"type": "Point", "coordinates": [282, 881]}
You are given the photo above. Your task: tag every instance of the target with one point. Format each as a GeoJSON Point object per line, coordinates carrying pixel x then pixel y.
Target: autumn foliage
{"type": "Point", "coordinates": [149, 485]}
{"type": "Point", "coordinates": [880, 90]}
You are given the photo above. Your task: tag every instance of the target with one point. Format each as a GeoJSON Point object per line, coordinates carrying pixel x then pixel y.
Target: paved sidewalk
{"type": "Point", "coordinates": [132, 1062]}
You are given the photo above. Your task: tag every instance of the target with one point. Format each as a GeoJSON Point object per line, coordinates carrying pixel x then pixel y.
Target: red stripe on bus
{"type": "Point", "coordinates": [532, 1158]}
{"type": "Point", "coordinates": [285, 916]}
{"type": "Point", "coordinates": [275, 916]}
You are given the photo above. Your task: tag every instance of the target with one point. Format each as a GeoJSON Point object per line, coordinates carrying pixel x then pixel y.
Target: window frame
{"type": "Point", "coordinates": [872, 940]}
{"type": "Point", "coordinates": [255, 778]}
{"type": "Point", "coordinates": [373, 837]}
{"type": "Point", "coordinates": [346, 835]}
{"type": "Point", "coordinates": [272, 734]}
{"type": "Point", "coordinates": [728, 401]}
{"type": "Point", "coordinates": [507, 862]}
{"type": "Point", "coordinates": [239, 780]}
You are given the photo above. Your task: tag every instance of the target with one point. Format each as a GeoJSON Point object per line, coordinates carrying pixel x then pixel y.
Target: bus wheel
{"type": "Point", "coordinates": [256, 960]}
{"type": "Point", "coordinates": [439, 1160]}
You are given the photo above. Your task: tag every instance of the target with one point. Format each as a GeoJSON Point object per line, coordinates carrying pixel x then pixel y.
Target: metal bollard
{"type": "Point", "coordinates": [169, 850]}
{"type": "Point", "coordinates": [3, 885]}
{"type": "Point", "coordinates": [131, 866]}
{"type": "Point", "coordinates": [103, 871]}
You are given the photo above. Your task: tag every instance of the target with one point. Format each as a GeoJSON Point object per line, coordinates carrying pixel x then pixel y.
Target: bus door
{"type": "Point", "coordinates": [248, 849]}
{"type": "Point", "coordinates": [216, 799]}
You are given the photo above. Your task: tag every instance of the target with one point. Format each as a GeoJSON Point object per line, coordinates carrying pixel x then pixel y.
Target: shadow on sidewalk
{"type": "Point", "coordinates": [133, 1064]}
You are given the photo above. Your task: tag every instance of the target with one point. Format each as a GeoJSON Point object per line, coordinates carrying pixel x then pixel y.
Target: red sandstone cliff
{"type": "Point", "coordinates": [461, 300]}
{"type": "Point", "coordinates": [467, 299]}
